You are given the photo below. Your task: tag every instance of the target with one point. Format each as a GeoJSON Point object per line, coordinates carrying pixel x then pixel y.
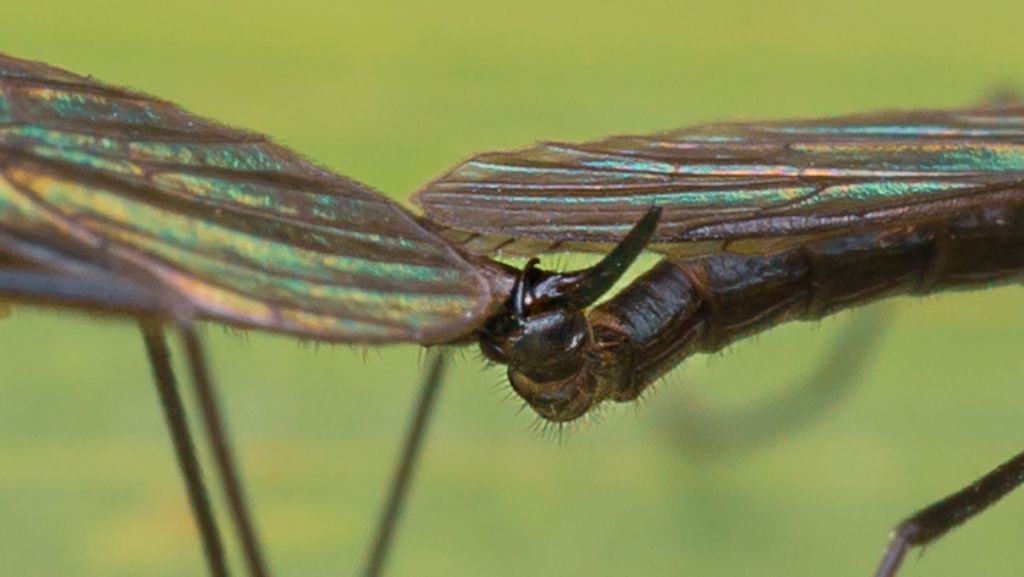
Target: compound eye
{"type": "Point", "coordinates": [550, 346]}
{"type": "Point", "coordinates": [499, 337]}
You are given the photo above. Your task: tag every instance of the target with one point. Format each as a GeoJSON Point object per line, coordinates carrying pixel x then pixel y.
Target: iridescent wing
{"type": "Point", "coordinates": [749, 187]}
{"type": "Point", "coordinates": [247, 232]}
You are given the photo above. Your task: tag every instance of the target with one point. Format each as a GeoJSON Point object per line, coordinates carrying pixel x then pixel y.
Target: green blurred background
{"type": "Point", "coordinates": [391, 93]}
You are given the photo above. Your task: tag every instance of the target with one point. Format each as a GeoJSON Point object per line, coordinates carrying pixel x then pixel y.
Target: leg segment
{"type": "Point", "coordinates": [216, 432]}
{"type": "Point", "coordinates": [407, 462]}
{"type": "Point", "coordinates": [174, 412]}
{"type": "Point", "coordinates": [98, 290]}
{"type": "Point", "coordinates": [934, 521]}
{"type": "Point", "coordinates": [80, 283]}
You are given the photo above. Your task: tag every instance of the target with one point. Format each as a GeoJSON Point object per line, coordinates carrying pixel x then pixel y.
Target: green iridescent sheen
{"type": "Point", "coordinates": [72, 105]}
{"type": "Point", "coordinates": [63, 139]}
{"type": "Point", "coordinates": [873, 192]}
{"type": "Point", "coordinates": [481, 174]}
{"type": "Point", "coordinates": [198, 236]}
{"type": "Point", "coordinates": [762, 184]}
{"type": "Point", "coordinates": [379, 307]}
{"type": "Point", "coordinates": [956, 157]}
{"type": "Point", "coordinates": [101, 153]}
{"type": "Point", "coordinates": [764, 197]}
{"type": "Point", "coordinates": [711, 138]}
{"type": "Point", "coordinates": [896, 130]}
{"type": "Point", "coordinates": [239, 157]}
{"type": "Point", "coordinates": [326, 209]}
{"type": "Point", "coordinates": [244, 230]}
{"type": "Point", "coordinates": [474, 170]}
{"type": "Point", "coordinates": [86, 160]}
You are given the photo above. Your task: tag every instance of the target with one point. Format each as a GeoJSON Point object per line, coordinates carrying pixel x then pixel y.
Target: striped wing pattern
{"type": "Point", "coordinates": [246, 231]}
{"type": "Point", "coordinates": [747, 187]}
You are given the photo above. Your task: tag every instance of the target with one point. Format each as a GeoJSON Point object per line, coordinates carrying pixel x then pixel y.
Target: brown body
{"type": "Point", "coordinates": [701, 304]}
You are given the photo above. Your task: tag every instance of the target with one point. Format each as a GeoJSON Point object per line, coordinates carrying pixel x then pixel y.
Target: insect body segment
{"type": "Point", "coordinates": [761, 223]}
{"type": "Point", "coordinates": [701, 304]}
{"type": "Point", "coordinates": [564, 362]}
{"type": "Point", "coordinates": [117, 201]}
{"type": "Point", "coordinates": [555, 362]}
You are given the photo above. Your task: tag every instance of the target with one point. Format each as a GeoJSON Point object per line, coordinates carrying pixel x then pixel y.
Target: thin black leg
{"type": "Point", "coordinates": [935, 520]}
{"type": "Point", "coordinates": [406, 464]}
{"type": "Point", "coordinates": [221, 446]}
{"type": "Point", "coordinates": [184, 448]}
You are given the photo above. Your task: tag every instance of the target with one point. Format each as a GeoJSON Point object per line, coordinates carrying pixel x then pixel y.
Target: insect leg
{"type": "Point", "coordinates": [407, 462]}
{"type": "Point", "coordinates": [934, 521]}
{"type": "Point", "coordinates": [184, 447]}
{"type": "Point", "coordinates": [98, 291]}
{"type": "Point", "coordinates": [217, 434]}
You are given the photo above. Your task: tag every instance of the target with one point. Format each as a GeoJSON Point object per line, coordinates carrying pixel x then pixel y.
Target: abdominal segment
{"type": "Point", "coordinates": [685, 306]}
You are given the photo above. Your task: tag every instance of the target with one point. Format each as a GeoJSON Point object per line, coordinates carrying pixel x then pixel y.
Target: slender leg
{"type": "Point", "coordinates": [174, 412]}
{"type": "Point", "coordinates": [934, 521]}
{"type": "Point", "coordinates": [407, 462]}
{"type": "Point", "coordinates": [715, 434]}
{"type": "Point", "coordinates": [221, 446]}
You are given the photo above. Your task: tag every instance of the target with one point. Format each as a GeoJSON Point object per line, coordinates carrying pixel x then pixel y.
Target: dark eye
{"type": "Point", "coordinates": [498, 336]}
{"type": "Point", "coordinates": [550, 345]}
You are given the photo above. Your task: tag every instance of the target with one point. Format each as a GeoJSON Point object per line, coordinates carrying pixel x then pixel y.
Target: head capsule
{"type": "Point", "coordinates": [544, 342]}
{"type": "Point", "coordinates": [543, 334]}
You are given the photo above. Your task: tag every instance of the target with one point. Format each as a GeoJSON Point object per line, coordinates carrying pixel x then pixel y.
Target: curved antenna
{"type": "Point", "coordinates": [582, 288]}
{"type": "Point", "coordinates": [521, 290]}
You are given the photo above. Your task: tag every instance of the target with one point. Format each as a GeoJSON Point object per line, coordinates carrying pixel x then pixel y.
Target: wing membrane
{"type": "Point", "coordinates": [245, 230]}
{"type": "Point", "coordinates": [750, 187]}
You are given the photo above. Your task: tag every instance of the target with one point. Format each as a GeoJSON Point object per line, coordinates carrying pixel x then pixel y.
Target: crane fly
{"type": "Point", "coordinates": [114, 201]}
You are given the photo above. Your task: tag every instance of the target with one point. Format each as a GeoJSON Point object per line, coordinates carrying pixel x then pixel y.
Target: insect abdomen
{"type": "Point", "coordinates": [683, 306]}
